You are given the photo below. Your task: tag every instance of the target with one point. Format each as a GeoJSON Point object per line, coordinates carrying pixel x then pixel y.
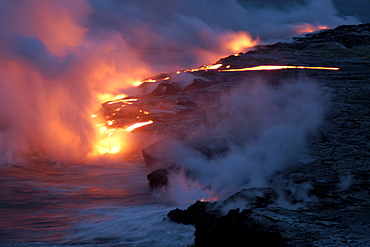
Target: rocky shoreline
{"type": "Point", "coordinates": [337, 178]}
{"type": "Point", "coordinates": [321, 201]}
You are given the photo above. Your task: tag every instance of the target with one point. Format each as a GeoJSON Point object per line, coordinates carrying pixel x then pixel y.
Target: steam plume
{"type": "Point", "coordinates": [57, 57]}
{"type": "Point", "coordinates": [264, 129]}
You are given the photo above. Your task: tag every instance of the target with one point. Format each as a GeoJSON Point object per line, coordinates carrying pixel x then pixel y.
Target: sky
{"type": "Point", "coordinates": [357, 8]}
{"type": "Point", "coordinates": [59, 58]}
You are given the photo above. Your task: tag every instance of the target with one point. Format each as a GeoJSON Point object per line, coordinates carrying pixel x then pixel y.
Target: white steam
{"type": "Point", "coordinates": [57, 57]}
{"type": "Point", "coordinates": [177, 34]}
{"type": "Point", "coordinates": [265, 128]}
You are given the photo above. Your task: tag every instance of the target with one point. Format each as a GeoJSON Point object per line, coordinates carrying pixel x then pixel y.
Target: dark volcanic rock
{"type": "Point", "coordinates": [236, 229]}
{"type": "Point", "coordinates": [158, 155]}
{"type": "Point", "coordinates": [328, 200]}
{"type": "Point", "coordinates": [158, 178]}
{"type": "Point", "coordinates": [253, 198]}
{"type": "Point", "coordinates": [336, 179]}
{"type": "Point", "coordinates": [199, 84]}
{"type": "Point", "coordinates": [233, 229]}
{"type": "Point", "coordinates": [199, 211]}
{"type": "Point", "coordinates": [166, 89]}
{"type": "Point", "coordinates": [186, 105]}
{"type": "Point", "coordinates": [211, 148]}
{"type": "Point", "coordinates": [347, 35]}
{"type": "Point", "coordinates": [343, 46]}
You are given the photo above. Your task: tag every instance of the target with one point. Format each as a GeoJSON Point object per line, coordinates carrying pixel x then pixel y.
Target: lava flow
{"type": "Point", "coordinates": [205, 67]}
{"type": "Point", "coordinates": [275, 67]}
{"type": "Point", "coordinates": [115, 121]}
{"type": "Point", "coordinates": [217, 67]}
{"type": "Point", "coordinates": [122, 114]}
{"type": "Point", "coordinates": [111, 140]}
{"type": "Point", "coordinates": [308, 28]}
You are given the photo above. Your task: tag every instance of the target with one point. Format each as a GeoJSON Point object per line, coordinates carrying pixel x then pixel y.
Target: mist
{"type": "Point", "coordinates": [59, 57]}
{"type": "Point", "coordinates": [254, 131]}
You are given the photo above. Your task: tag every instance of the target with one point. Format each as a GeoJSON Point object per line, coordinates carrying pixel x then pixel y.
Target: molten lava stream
{"type": "Point", "coordinates": [275, 67]}
{"type": "Point", "coordinates": [110, 141]}
{"type": "Point", "coordinates": [255, 68]}
{"type": "Point", "coordinates": [114, 140]}
{"type": "Point", "coordinates": [308, 28]}
{"type": "Point", "coordinates": [138, 125]}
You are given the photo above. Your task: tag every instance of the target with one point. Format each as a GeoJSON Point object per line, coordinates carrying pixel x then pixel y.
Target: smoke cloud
{"type": "Point", "coordinates": [192, 33]}
{"type": "Point", "coordinates": [255, 130]}
{"type": "Point", "coordinates": [58, 57]}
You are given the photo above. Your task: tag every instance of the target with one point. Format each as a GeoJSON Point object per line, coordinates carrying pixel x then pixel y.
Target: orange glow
{"type": "Point", "coordinates": [144, 112]}
{"type": "Point", "coordinates": [138, 125]}
{"type": "Point", "coordinates": [240, 41]}
{"type": "Point", "coordinates": [109, 143]}
{"type": "Point", "coordinates": [104, 97]}
{"type": "Point", "coordinates": [124, 101]}
{"type": "Point", "coordinates": [261, 67]}
{"type": "Point", "coordinates": [150, 80]}
{"type": "Point", "coordinates": [209, 199]}
{"type": "Point", "coordinates": [157, 80]}
{"type": "Point", "coordinates": [205, 67]}
{"type": "Point", "coordinates": [108, 140]}
{"type": "Point", "coordinates": [53, 22]}
{"type": "Point", "coordinates": [227, 43]}
{"type": "Point", "coordinates": [308, 28]}
{"type": "Point", "coordinates": [138, 83]}
{"type": "Point", "coordinates": [111, 140]}
{"type": "Point", "coordinates": [215, 66]}
{"type": "Point", "coordinates": [49, 101]}
{"type": "Point", "coordinates": [276, 67]}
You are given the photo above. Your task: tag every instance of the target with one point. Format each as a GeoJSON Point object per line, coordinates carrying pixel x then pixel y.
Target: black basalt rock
{"type": "Point", "coordinates": [156, 155]}
{"type": "Point", "coordinates": [192, 215]}
{"type": "Point", "coordinates": [233, 229]}
{"type": "Point", "coordinates": [158, 178]}
{"type": "Point", "coordinates": [199, 84]}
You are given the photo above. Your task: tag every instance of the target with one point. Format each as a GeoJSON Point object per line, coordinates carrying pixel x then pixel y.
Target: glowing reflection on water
{"type": "Point", "coordinates": [43, 202]}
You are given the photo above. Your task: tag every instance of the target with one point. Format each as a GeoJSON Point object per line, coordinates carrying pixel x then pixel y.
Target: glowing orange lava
{"type": "Point", "coordinates": [111, 140]}
{"type": "Point", "coordinates": [275, 67]}
{"type": "Point", "coordinates": [205, 67]}
{"type": "Point", "coordinates": [138, 83]}
{"type": "Point", "coordinates": [240, 41]}
{"type": "Point", "coordinates": [124, 101]}
{"type": "Point", "coordinates": [308, 28]}
{"type": "Point", "coordinates": [138, 125]}
{"type": "Point", "coordinates": [104, 97]}
{"type": "Point", "coordinates": [260, 67]}
{"type": "Point", "coordinates": [209, 199]}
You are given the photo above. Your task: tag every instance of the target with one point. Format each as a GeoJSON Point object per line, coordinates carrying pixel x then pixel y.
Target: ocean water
{"type": "Point", "coordinates": [52, 204]}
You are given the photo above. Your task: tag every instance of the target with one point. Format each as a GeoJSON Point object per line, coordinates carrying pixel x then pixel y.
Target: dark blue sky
{"type": "Point", "coordinates": [357, 8]}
